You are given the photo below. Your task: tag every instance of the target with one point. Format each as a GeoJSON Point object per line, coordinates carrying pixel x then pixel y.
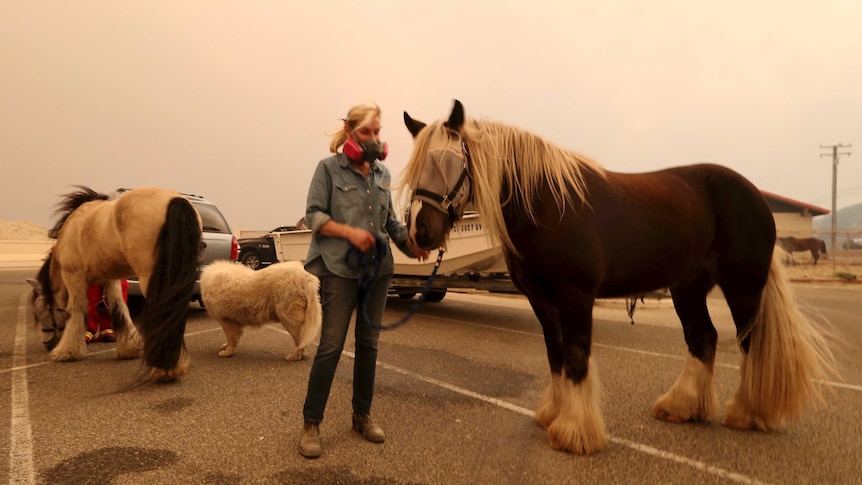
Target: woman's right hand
{"type": "Point", "coordinates": [361, 238]}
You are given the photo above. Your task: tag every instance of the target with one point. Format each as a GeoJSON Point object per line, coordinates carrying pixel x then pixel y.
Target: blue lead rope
{"type": "Point", "coordinates": [368, 264]}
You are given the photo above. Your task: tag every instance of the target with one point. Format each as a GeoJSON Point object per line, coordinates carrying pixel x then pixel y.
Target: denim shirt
{"type": "Point", "coordinates": [341, 193]}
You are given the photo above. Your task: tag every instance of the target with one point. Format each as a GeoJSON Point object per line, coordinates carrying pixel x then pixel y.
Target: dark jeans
{"type": "Point", "coordinates": [339, 296]}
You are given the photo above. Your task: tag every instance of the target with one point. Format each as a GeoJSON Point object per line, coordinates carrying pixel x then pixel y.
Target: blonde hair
{"type": "Point", "coordinates": [503, 155]}
{"type": "Point", "coordinates": [358, 116]}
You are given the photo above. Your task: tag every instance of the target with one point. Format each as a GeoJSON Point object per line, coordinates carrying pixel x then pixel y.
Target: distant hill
{"type": "Point", "coordinates": [847, 218]}
{"type": "Point", "coordinates": [22, 231]}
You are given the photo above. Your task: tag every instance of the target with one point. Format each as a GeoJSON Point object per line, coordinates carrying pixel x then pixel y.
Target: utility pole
{"type": "Point", "coordinates": [835, 154]}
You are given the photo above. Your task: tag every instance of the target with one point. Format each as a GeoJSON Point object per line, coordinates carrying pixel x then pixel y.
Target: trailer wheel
{"type": "Point", "coordinates": [407, 295]}
{"type": "Point", "coordinates": [435, 295]}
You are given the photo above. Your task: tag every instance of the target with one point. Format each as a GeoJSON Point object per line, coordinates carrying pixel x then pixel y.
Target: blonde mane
{"type": "Point", "coordinates": [503, 155]}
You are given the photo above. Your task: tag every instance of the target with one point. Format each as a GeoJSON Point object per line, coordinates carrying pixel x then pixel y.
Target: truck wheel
{"type": "Point", "coordinates": [251, 259]}
{"type": "Point", "coordinates": [435, 295]}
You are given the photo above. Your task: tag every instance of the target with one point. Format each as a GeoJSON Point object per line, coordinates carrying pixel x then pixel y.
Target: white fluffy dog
{"type": "Point", "coordinates": [238, 296]}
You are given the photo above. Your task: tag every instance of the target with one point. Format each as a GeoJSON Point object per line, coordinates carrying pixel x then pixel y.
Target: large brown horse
{"type": "Point", "coordinates": [573, 232]}
{"type": "Point", "coordinates": [151, 233]}
{"type": "Point", "coordinates": [801, 244]}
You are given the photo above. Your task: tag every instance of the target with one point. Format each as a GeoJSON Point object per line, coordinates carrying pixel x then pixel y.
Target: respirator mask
{"type": "Point", "coordinates": [368, 151]}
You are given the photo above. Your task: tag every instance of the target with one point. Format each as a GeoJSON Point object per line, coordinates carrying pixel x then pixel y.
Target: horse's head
{"type": "Point", "coordinates": [439, 178]}
{"type": "Point", "coordinates": [45, 310]}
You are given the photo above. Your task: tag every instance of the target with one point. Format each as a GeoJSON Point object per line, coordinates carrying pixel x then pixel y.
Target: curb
{"type": "Point", "coordinates": [825, 280]}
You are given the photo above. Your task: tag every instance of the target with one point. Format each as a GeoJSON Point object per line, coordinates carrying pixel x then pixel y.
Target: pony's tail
{"type": "Point", "coordinates": [313, 312]}
{"type": "Point", "coordinates": [170, 289]}
{"type": "Point", "coordinates": [823, 246]}
{"type": "Point", "coordinates": [788, 359]}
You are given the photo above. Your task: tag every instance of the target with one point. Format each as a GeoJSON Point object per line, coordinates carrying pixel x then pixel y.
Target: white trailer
{"type": "Point", "coordinates": [470, 260]}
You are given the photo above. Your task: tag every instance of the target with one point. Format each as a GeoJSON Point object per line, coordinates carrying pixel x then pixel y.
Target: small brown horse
{"type": "Point", "coordinates": [797, 244]}
{"type": "Point", "coordinates": [151, 233]}
{"type": "Point", "coordinates": [572, 232]}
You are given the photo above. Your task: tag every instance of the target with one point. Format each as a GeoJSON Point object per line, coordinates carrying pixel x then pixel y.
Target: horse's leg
{"type": "Point", "coordinates": [570, 408]}
{"type": "Point", "coordinates": [744, 306]}
{"type": "Point", "coordinates": [72, 345]}
{"type": "Point", "coordinates": [815, 254]}
{"type": "Point", "coordinates": [129, 342]}
{"type": "Point", "coordinates": [784, 356]}
{"type": "Point", "coordinates": [692, 397]}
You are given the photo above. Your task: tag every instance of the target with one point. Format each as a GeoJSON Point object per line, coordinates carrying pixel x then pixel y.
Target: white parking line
{"type": "Point", "coordinates": [15, 368]}
{"type": "Point", "coordinates": [21, 446]}
{"type": "Point", "coordinates": [639, 447]}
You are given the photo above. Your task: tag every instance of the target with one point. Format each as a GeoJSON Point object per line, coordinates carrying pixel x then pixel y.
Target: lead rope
{"type": "Point", "coordinates": [413, 308]}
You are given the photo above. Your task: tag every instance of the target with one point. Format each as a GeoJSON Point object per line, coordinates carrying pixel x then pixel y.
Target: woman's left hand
{"type": "Point", "coordinates": [420, 254]}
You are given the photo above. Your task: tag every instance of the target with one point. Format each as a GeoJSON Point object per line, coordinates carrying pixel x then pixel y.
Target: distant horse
{"type": "Point", "coordinates": [151, 233]}
{"type": "Point", "coordinates": [573, 232]}
{"type": "Point", "coordinates": [796, 244]}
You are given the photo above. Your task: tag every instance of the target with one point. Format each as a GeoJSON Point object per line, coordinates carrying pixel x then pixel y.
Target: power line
{"type": "Point", "coordinates": [835, 153]}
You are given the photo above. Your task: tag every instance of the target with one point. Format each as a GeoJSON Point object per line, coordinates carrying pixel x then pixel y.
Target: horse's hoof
{"type": "Point", "coordinates": [226, 353]}
{"type": "Point", "coordinates": [65, 356]}
{"type": "Point", "coordinates": [739, 416]}
{"type": "Point", "coordinates": [160, 375]}
{"type": "Point", "coordinates": [128, 352]}
{"type": "Point", "coordinates": [585, 440]}
{"type": "Point", "coordinates": [666, 416]}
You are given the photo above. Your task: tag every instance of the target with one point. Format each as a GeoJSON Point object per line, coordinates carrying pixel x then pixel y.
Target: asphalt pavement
{"type": "Point", "coordinates": [456, 389]}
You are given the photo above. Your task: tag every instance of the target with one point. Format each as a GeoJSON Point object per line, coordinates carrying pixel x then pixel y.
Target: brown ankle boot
{"type": "Point", "coordinates": [309, 443]}
{"type": "Point", "coordinates": [368, 429]}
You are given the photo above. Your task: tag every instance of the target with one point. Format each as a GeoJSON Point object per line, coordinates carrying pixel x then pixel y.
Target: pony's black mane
{"type": "Point", "coordinates": [71, 202]}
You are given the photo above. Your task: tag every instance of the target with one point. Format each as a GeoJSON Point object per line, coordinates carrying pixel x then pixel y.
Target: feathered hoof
{"type": "Point", "coordinates": [67, 355]}
{"type": "Point", "coordinates": [129, 349]}
{"type": "Point", "coordinates": [549, 405]}
{"type": "Point", "coordinates": [738, 416]}
{"type": "Point", "coordinates": [675, 409]}
{"type": "Point", "coordinates": [668, 416]}
{"type": "Point", "coordinates": [546, 413]}
{"type": "Point", "coordinates": [584, 438]}
{"type": "Point", "coordinates": [128, 354]}
{"type": "Point", "coordinates": [227, 351]}
{"type": "Point", "coordinates": [162, 375]}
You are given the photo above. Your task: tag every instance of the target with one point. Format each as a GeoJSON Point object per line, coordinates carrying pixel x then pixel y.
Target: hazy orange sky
{"type": "Point", "coordinates": [234, 100]}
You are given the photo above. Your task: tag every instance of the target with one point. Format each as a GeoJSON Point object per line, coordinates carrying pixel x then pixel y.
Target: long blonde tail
{"type": "Point", "coordinates": [788, 359]}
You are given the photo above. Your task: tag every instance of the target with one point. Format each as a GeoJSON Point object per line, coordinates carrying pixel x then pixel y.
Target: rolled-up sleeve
{"type": "Point", "coordinates": [317, 210]}
{"type": "Point", "coordinates": [397, 231]}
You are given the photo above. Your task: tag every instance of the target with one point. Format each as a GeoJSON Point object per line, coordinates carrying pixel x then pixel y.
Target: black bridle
{"type": "Point", "coordinates": [445, 200]}
{"type": "Point", "coordinates": [58, 318]}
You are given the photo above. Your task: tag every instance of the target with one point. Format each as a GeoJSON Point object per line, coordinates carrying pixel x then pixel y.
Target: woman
{"type": "Point", "coordinates": [349, 211]}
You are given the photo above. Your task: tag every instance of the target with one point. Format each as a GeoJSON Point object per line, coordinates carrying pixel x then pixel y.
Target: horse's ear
{"type": "Point", "coordinates": [35, 284]}
{"type": "Point", "coordinates": [456, 119]}
{"type": "Point", "coordinates": [413, 126]}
